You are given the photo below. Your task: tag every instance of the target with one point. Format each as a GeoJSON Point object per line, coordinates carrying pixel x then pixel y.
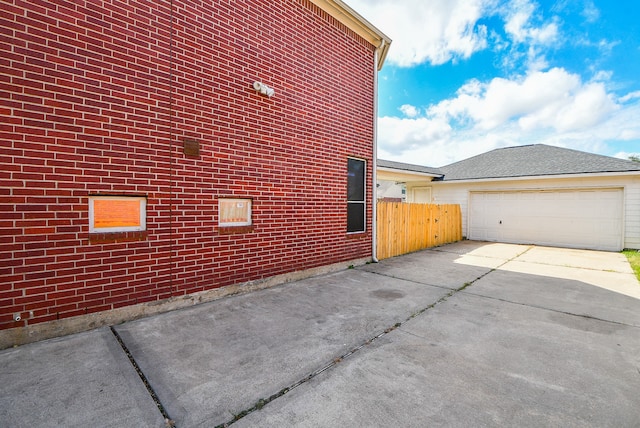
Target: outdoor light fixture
{"type": "Point", "coordinates": [263, 89]}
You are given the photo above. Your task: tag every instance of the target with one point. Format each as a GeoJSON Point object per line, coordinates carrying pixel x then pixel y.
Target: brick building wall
{"type": "Point", "coordinates": [97, 98]}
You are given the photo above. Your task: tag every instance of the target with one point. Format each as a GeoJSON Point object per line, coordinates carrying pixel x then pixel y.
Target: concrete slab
{"type": "Point", "coordinates": [490, 250]}
{"type": "Point", "coordinates": [473, 361]}
{"type": "Point", "coordinates": [558, 292]}
{"type": "Point", "coordinates": [585, 259]}
{"type": "Point", "coordinates": [438, 268]}
{"type": "Point", "coordinates": [213, 361]}
{"type": "Point", "coordinates": [619, 282]}
{"type": "Point", "coordinates": [83, 380]}
{"type": "Point", "coordinates": [507, 350]}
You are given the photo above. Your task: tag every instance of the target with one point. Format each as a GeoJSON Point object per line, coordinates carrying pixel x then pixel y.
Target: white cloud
{"type": "Point", "coordinates": [536, 61]}
{"type": "Point", "coordinates": [553, 99]}
{"type": "Point", "coordinates": [409, 110]}
{"type": "Point", "coordinates": [629, 134]}
{"type": "Point", "coordinates": [630, 96]}
{"type": "Point", "coordinates": [436, 154]}
{"type": "Point", "coordinates": [553, 107]}
{"type": "Point", "coordinates": [602, 76]}
{"type": "Point", "coordinates": [439, 31]}
{"type": "Point", "coordinates": [626, 155]}
{"type": "Point", "coordinates": [519, 25]}
{"type": "Point", "coordinates": [605, 46]}
{"type": "Point", "coordinates": [398, 135]}
{"type": "Point", "coordinates": [624, 125]}
{"type": "Point", "coordinates": [590, 12]}
{"type": "Point", "coordinates": [529, 33]}
{"type": "Point", "coordinates": [434, 31]}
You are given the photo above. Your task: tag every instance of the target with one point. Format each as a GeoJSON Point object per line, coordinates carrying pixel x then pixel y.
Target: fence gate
{"type": "Point", "coordinates": [406, 227]}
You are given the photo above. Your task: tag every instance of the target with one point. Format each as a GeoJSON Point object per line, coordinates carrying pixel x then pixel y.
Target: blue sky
{"type": "Point", "coordinates": [467, 76]}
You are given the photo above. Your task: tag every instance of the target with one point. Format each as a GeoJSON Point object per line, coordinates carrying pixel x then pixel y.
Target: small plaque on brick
{"type": "Point", "coordinates": [191, 147]}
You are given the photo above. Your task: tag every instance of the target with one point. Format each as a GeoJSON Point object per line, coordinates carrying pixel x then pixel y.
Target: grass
{"type": "Point", "coordinates": [634, 260]}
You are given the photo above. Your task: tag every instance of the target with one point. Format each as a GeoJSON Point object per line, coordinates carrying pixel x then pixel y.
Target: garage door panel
{"type": "Point", "coordinates": [569, 218]}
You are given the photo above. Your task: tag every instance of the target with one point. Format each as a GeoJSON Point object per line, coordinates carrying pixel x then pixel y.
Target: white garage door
{"type": "Point", "coordinates": [590, 219]}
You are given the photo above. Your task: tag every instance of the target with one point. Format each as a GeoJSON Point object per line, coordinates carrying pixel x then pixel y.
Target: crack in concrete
{"type": "Point", "coordinates": [167, 420]}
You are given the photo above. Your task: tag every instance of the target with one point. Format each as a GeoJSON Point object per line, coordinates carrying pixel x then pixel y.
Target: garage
{"type": "Point", "coordinates": [584, 218]}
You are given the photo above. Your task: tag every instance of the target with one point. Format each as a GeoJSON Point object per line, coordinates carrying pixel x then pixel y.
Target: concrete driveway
{"type": "Point", "coordinates": [468, 334]}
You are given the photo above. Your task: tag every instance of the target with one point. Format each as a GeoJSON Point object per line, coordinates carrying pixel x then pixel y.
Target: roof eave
{"type": "Point", "coordinates": [354, 21]}
{"type": "Point", "coordinates": [404, 176]}
{"type": "Point", "coordinates": [407, 171]}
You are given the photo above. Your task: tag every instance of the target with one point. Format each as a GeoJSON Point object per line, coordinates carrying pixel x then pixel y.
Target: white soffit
{"type": "Point", "coordinates": [358, 24]}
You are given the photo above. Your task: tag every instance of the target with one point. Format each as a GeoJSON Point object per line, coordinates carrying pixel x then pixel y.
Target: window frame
{"type": "Point", "coordinates": [142, 214]}
{"type": "Point", "coordinates": [362, 202]}
{"type": "Point", "coordinates": [231, 224]}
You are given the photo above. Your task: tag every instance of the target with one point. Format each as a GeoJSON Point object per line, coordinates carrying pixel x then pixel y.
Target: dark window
{"type": "Point", "coordinates": [356, 212]}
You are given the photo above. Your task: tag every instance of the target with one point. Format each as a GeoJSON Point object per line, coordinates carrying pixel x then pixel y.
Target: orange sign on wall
{"type": "Point", "coordinates": [113, 214]}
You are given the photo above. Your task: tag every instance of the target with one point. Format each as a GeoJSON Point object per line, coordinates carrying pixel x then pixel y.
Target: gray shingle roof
{"type": "Point", "coordinates": [409, 167]}
{"type": "Point", "coordinates": [534, 160]}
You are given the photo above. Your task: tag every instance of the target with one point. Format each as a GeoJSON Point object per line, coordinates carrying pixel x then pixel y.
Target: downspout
{"type": "Point", "coordinates": [374, 208]}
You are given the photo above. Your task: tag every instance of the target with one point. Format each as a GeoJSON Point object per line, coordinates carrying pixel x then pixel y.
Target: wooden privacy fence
{"type": "Point", "coordinates": [406, 227]}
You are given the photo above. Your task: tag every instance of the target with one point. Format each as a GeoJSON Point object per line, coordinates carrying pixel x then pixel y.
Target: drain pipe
{"type": "Point", "coordinates": [374, 208]}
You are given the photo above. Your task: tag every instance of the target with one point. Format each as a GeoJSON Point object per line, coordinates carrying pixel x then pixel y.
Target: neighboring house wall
{"type": "Point", "coordinates": [98, 98]}
{"type": "Point", "coordinates": [390, 190]}
{"type": "Point", "coordinates": [458, 193]}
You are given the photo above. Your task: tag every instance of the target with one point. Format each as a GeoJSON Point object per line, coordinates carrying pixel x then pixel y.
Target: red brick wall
{"type": "Point", "coordinates": [96, 97]}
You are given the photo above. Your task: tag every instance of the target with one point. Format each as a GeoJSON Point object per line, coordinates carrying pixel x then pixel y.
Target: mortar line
{"type": "Point", "coordinates": [167, 419]}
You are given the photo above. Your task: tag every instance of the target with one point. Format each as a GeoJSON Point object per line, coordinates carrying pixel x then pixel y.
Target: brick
{"type": "Point", "coordinates": [33, 300]}
{"type": "Point", "coordinates": [87, 105]}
